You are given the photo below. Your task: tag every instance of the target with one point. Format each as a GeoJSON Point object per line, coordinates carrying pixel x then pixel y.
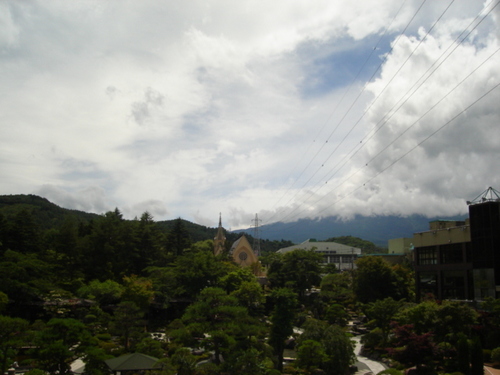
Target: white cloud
{"type": "Point", "coordinates": [226, 107]}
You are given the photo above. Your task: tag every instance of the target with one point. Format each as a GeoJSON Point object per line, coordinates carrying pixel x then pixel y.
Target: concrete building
{"type": "Point", "coordinates": [461, 259]}
{"type": "Point", "coordinates": [342, 256]}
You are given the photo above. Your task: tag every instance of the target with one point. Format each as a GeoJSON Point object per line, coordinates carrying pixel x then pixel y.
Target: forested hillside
{"type": "Point", "coordinates": [99, 286]}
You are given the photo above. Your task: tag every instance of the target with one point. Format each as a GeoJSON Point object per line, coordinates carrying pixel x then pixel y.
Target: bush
{"type": "Point", "coordinates": [390, 371]}
{"type": "Point", "coordinates": [495, 355]}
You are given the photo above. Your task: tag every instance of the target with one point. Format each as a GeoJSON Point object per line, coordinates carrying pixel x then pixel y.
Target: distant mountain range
{"type": "Point", "coordinates": [377, 229]}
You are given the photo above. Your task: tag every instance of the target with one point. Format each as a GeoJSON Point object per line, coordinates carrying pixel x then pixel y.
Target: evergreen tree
{"type": "Point", "coordinates": [476, 357]}
{"type": "Point", "coordinates": [178, 238]}
{"type": "Point", "coordinates": [282, 317]}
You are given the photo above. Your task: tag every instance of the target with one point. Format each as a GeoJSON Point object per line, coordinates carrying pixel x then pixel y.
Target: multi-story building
{"type": "Point", "coordinates": [342, 256]}
{"type": "Point", "coordinates": [461, 259]}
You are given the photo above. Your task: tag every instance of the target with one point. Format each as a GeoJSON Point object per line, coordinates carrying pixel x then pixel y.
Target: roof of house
{"type": "Point", "coordinates": [322, 246]}
{"type": "Point", "coordinates": [133, 361]}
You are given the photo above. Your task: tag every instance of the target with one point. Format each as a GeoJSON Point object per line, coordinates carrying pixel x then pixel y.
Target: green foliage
{"type": "Point", "coordinates": [463, 355]}
{"type": "Point", "coordinates": [337, 314]}
{"type": "Point", "coordinates": [446, 320]}
{"type": "Point", "coordinates": [310, 355]}
{"type": "Point", "coordinates": [233, 279]}
{"type": "Point", "coordinates": [4, 300]}
{"type": "Point", "coordinates": [59, 342]}
{"type": "Point", "coordinates": [184, 362]}
{"type": "Point", "coordinates": [336, 343]}
{"type": "Point", "coordinates": [476, 357]}
{"type": "Point", "coordinates": [35, 371]}
{"type": "Point", "coordinates": [138, 290]}
{"type": "Point", "coordinates": [128, 323]}
{"type": "Point", "coordinates": [495, 355]}
{"type": "Point", "coordinates": [150, 347]}
{"type": "Point", "coordinates": [298, 270]}
{"type": "Point", "coordinates": [285, 303]}
{"type": "Point", "coordinates": [381, 314]}
{"type": "Point", "coordinates": [251, 296]}
{"type": "Point", "coordinates": [221, 322]}
{"type": "Point", "coordinates": [390, 371]}
{"type": "Point", "coordinates": [104, 292]}
{"type": "Point", "coordinates": [374, 279]}
{"type": "Point", "coordinates": [196, 269]}
{"type": "Point", "coordinates": [12, 336]}
{"type": "Point", "coordinates": [178, 239]}
{"type": "Point", "coordinates": [337, 287]}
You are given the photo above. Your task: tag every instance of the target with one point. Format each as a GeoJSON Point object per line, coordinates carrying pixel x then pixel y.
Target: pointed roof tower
{"type": "Point", "coordinates": [220, 238]}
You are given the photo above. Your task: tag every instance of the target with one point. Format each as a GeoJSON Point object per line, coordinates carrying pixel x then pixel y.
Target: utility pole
{"type": "Point", "coordinates": [256, 236]}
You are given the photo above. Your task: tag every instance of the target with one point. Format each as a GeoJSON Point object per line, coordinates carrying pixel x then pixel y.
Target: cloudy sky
{"type": "Point", "coordinates": [287, 109]}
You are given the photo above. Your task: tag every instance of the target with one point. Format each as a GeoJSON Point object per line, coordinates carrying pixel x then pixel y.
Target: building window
{"type": "Point", "coordinates": [428, 283]}
{"type": "Point", "coordinates": [451, 253]}
{"type": "Point", "coordinates": [454, 284]}
{"type": "Point", "coordinates": [427, 255]}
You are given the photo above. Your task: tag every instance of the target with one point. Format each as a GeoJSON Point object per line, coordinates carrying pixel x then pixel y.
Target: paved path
{"type": "Point", "coordinates": [364, 364]}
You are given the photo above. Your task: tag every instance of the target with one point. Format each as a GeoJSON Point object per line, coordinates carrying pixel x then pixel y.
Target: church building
{"type": "Point", "coordinates": [241, 250]}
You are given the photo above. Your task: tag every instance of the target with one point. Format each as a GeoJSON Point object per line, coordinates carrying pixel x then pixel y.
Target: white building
{"type": "Point", "coordinates": [343, 256]}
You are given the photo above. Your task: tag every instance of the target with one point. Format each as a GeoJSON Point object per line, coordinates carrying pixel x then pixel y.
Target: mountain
{"type": "Point", "coordinates": [46, 214]}
{"type": "Point", "coordinates": [377, 229]}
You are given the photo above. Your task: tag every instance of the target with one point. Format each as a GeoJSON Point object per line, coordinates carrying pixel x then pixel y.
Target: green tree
{"type": "Point", "coordinates": [310, 355]}
{"type": "Point", "coordinates": [12, 336]}
{"type": "Point", "coordinates": [282, 317]}
{"type": "Point", "coordinates": [336, 343]}
{"type": "Point", "coordinates": [336, 314]}
{"type": "Point", "coordinates": [495, 355]}
{"type": "Point", "coordinates": [250, 295]}
{"type": "Point", "coordinates": [178, 238]}
{"type": "Point", "coordinates": [196, 269]}
{"type": "Point", "coordinates": [405, 282]}
{"type": "Point", "coordinates": [381, 313]}
{"type": "Point", "coordinates": [138, 290]}
{"type": "Point", "coordinates": [94, 358]}
{"type": "Point", "coordinates": [423, 316]}
{"type": "Point", "coordinates": [218, 318]}
{"type": "Point", "coordinates": [247, 362]}
{"type": "Point", "coordinates": [233, 279]}
{"type": "Point", "coordinates": [454, 318]}
{"type": "Point", "coordinates": [25, 279]}
{"type": "Point", "coordinates": [128, 322]}
{"type": "Point", "coordinates": [104, 292]}
{"type": "Point", "coordinates": [298, 270]}
{"type": "Point", "coordinates": [339, 349]}
{"type": "Point", "coordinates": [59, 343]}
{"type": "Point", "coordinates": [149, 246]}
{"type": "Point", "coordinates": [463, 355]}
{"type": "Point", "coordinates": [184, 361]}
{"type": "Point", "coordinates": [374, 279]}
{"type": "Point", "coordinates": [23, 234]}
{"type": "Point", "coordinates": [476, 357]}
{"type": "Point", "coordinates": [151, 347]}
{"type": "Point", "coordinates": [337, 287]}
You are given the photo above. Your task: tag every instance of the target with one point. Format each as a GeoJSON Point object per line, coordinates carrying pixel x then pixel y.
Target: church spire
{"type": "Point", "coordinates": [220, 238]}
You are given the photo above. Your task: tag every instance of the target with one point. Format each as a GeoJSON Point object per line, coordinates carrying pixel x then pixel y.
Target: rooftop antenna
{"type": "Point", "coordinates": [256, 235]}
{"type": "Point", "coordinates": [489, 195]}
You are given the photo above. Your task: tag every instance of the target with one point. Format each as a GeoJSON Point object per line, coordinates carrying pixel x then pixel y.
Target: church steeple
{"type": "Point", "coordinates": [219, 239]}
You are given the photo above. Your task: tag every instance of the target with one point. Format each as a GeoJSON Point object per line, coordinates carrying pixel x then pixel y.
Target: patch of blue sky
{"type": "Point", "coordinates": [335, 65]}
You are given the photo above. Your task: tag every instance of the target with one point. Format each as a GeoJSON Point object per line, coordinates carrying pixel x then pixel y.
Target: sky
{"type": "Point", "coordinates": [284, 109]}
